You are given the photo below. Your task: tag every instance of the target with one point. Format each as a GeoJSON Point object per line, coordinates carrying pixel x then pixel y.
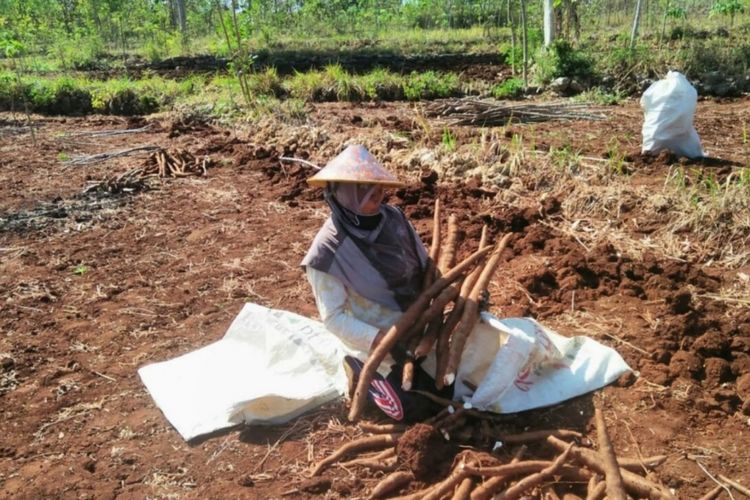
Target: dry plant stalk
{"type": "Point", "coordinates": [401, 327]}
{"type": "Point", "coordinates": [615, 488]}
{"type": "Point", "coordinates": [392, 482]}
{"type": "Point", "coordinates": [358, 445]}
{"type": "Point", "coordinates": [634, 484]}
{"type": "Point", "coordinates": [442, 354]}
{"type": "Point", "coordinates": [535, 480]}
{"type": "Point", "coordinates": [470, 313]}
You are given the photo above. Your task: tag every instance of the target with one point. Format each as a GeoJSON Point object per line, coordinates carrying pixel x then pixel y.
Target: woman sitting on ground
{"type": "Point", "coordinates": [366, 266]}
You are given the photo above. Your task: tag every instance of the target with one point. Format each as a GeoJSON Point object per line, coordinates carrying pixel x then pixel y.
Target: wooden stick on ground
{"type": "Point", "coordinates": [402, 326]}
{"type": "Point", "coordinates": [470, 313]}
{"type": "Point", "coordinates": [393, 482]}
{"type": "Point", "coordinates": [358, 445]}
{"type": "Point", "coordinates": [615, 488]}
{"type": "Point", "coordinates": [635, 484]}
{"type": "Point", "coordinates": [443, 345]}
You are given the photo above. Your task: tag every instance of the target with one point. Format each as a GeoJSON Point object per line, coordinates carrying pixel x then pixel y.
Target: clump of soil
{"type": "Point", "coordinates": [424, 451]}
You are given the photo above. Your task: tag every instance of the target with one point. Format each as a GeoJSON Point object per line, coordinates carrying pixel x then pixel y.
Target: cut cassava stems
{"type": "Point", "coordinates": [470, 313]}
{"type": "Point", "coordinates": [392, 482]}
{"type": "Point", "coordinates": [358, 445]}
{"type": "Point", "coordinates": [615, 488]}
{"type": "Point", "coordinates": [402, 326]}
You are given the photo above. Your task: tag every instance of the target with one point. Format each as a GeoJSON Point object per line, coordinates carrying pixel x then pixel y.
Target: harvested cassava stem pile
{"type": "Point", "coordinates": [472, 111]}
{"type": "Point", "coordinates": [393, 482]}
{"type": "Point", "coordinates": [401, 327]}
{"type": "Point", "coordinates": [615, 488]}
{"type": "Point", "coordinates": [634, 484]}
{"type": "Point", "coordinates": [442, 354]}
{"type": "Point", "coordinates": [358, 445]}
{"type": "Point", "coordinates": [470, 313]}
{"type": "Point", "coordinates": [176, 164]}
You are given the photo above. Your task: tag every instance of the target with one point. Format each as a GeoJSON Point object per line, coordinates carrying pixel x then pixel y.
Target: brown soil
{"type": "Point", "coordinates": [94, 287]}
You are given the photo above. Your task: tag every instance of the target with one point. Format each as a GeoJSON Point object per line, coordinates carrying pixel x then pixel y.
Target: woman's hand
{"type": "Point", "coordinates": [377, 340]}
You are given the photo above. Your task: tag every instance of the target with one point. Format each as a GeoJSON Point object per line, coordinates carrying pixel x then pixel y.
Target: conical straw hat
{"type": "Point", "coordinates": [354, 164]}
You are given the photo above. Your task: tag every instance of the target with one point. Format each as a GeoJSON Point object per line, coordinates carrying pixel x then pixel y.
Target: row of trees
{"type": "Point", "coordinates": [38, 25]}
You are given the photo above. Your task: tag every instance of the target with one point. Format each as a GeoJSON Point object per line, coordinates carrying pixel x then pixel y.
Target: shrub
{"type": "Point", "coordinates": [561, 59]}
{"type": "Point", "coordinates": [509, 89]}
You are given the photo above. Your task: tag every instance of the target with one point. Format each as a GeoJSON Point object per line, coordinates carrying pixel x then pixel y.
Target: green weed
{"type": "Point", "coordinates": [448, 140]}
{"type": "Point", "coordinates": [430, 85]}
{"type": "Point", "coordinates": [509, 89]}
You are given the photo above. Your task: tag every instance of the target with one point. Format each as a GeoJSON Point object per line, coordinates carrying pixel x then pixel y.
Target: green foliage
{"type": "Point", "coordinates": [509, 89]}
{"type": "Point", "coordinates": [562, 59]}
{"type": "Point", "coordinates": [448, 140]}
{"type": "Point", "coordinates": [430, 85]}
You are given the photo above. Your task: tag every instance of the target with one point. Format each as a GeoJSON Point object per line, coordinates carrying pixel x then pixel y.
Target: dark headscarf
{"type": "Point", "coordinates": [384, 263]}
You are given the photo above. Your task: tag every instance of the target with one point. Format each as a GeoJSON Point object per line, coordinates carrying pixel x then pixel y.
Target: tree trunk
{"type": "Point", "coordinates": [182, 16]}
{"type": "Point", "coordinates": [525, 46]}
{"type": "Point", "coordinates": [549, 23]}
{"type": "Point", "coordinates": [512, 25]}
{"type": "Point", "coordinates": [636, 21]}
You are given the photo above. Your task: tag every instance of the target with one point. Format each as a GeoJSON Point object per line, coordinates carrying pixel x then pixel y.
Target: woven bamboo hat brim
{"type": "Point", "coordinates": [354, 164]}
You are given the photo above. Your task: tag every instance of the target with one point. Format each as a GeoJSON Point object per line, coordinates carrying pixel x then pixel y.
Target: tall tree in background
{"type": "Point", "coordinates": [636, 22]}
{"type": "Point", "coordinates": [549, 22]}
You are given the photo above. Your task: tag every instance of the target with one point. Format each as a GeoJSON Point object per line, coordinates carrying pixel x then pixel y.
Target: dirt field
{"type": "Point", "coordinates": [94, 286]}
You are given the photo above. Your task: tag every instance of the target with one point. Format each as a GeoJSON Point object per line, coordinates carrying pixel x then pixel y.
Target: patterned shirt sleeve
{"type": "Point", "coordinates": [332, 300]}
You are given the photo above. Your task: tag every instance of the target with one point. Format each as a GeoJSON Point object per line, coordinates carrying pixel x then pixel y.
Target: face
{"type": "Point", "coordinates": [371, 196]}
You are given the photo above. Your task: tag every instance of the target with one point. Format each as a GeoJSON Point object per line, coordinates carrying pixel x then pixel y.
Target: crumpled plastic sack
{"type": "Point", "coordinates": [669, 107]}
{"type": "Point", "coordinates": [273, 365]}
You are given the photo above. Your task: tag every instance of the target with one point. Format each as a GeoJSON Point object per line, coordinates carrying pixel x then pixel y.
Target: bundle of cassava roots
{"type": "Point", "coordinates": [425, 323]}
{"type": "Point", "coordinates": [486, 462]}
